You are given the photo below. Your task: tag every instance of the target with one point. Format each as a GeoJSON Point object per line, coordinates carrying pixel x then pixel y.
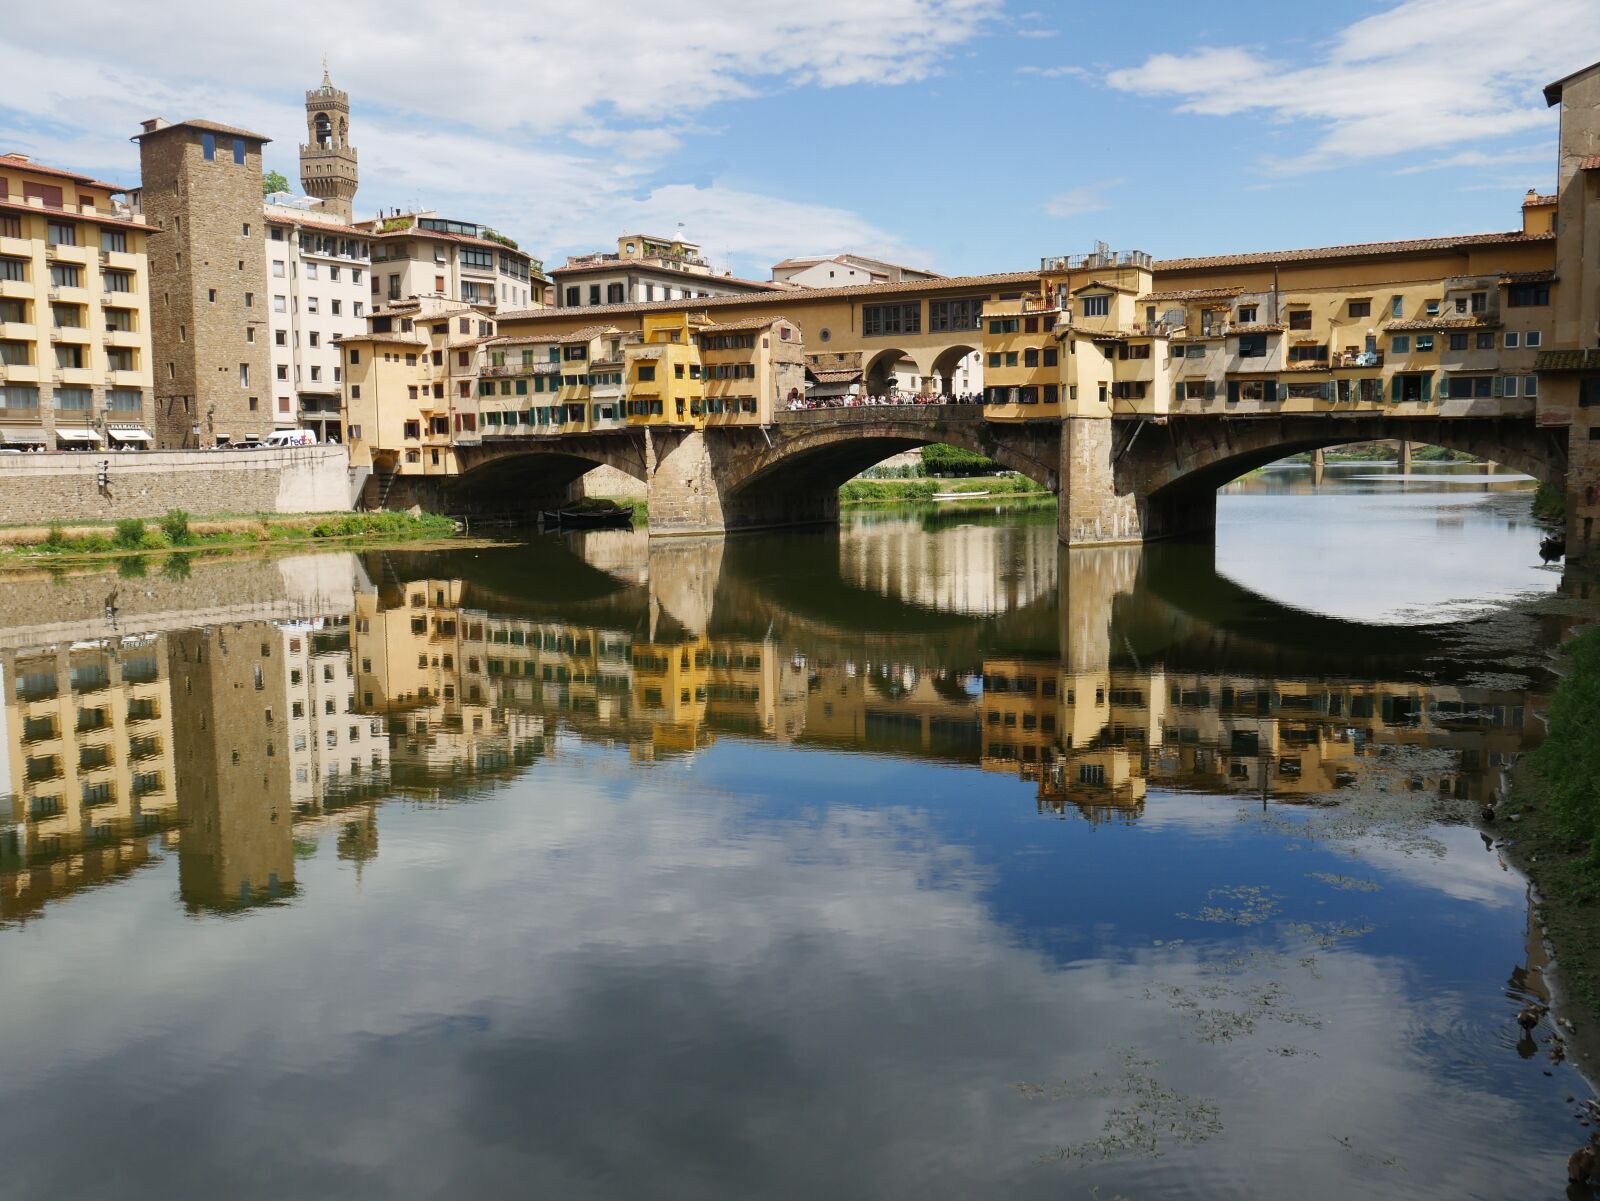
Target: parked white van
{"type": "Point", "coordinates": [279, 438]}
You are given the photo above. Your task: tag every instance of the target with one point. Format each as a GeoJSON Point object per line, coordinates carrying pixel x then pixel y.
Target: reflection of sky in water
{"type": "Point", "coordinates": [1374, 549]}
{"type": "Point", "coordinates": [778, 974]}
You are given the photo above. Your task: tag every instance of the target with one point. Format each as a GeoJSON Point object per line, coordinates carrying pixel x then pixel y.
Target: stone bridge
{"type": "Point", "coordinates": [1118, 480]}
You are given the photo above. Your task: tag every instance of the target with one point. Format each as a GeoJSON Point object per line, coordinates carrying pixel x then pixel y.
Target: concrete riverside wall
{"type": "Point", "coordinates": [43, 488]}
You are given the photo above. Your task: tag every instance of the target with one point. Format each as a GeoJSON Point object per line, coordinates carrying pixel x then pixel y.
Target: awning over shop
{"type": "Point", "coordinates": [73, 434]}
{"type": "Point", "coordinates": [23, 437]}
{"type": "Point", "coordinates": [839, 389]}
{"type": "Point", "coordinates": [128, 433]}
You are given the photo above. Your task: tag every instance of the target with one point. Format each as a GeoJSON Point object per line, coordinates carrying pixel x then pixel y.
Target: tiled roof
{"type": "Point", "coordinates": [66, 214]}
{"type": "Point", "coordinates": [366, 229]}
{"type": "Point", "coordinates": [747, 323]}
{"type": "Point", "coordinates": [1427, 323]}
{"type": "Point", "coordinates": [846, 375]}
{"type": "Point", "coordinates": [1257, 327]}
{"type": "Point", "coordinates": [1567, 360]}
{"type": "Point", "coordinates": [332, 227]}
{"type": "Point", "coordinates": [1538, 199]}
{"type": "Point", "coordinates": [1589, 162]}
{"type": "Point", "coordinates": [587, 333]}
{"type": "Point", "coordinates": [1528, 277]}
{"type": "Point", "coordinates": [10, 162]}
{"type": "Point", "coordinates": [1306, 365]}
{"type": "Point", "coordinates": [1192, 294]}
{"type": "Point", "coordinates": [231, 131]}
{"type": "Point", "coordinates": [1354, 250]}
{"type": "Point", "coordinates": [908, 287]}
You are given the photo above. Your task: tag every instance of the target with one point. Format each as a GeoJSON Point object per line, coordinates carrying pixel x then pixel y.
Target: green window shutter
{"type": "Point", "coordinates": [1444, 388]}
{"type": "Point", "coordinates": [1233, 391]}
{"type": "Point", "coordinates": [1211, 389]}
{"type": "Point", "coordinates": [1394, 388]}
{"type": "Point", "coordinates": [1427, 386]}
{"type": "Point", "coordinates": [1283, 393]}
{"type": "Point", "coordinates": [1177, 393]}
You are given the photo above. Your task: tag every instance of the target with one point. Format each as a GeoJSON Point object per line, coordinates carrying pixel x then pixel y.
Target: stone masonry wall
{"type": "Point", "coordinates": [39, 489]}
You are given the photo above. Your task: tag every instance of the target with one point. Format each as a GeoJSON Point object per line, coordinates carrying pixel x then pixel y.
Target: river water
{"type": "Point", "coordinates": [918, 858]}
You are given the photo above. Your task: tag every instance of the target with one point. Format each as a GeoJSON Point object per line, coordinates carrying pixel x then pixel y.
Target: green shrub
{"type": "Point", "coordinates": [1550, 505]}
{"type": "Point", "coordinates": [130, 533]}
{"type": "Point", "coordinates": [939, 459]}
{"type": "Point", "coordinates": [56, 539]}
{"type": "Point", "coordinates": [175, 525]}
{"type": "Point", "coordinates": [1569, 761]}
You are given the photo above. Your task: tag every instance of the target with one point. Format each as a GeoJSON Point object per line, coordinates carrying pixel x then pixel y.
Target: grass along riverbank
{"type": "Point", "coordinates": [1555, 839]}
{"type": "Point", "coordinates": [33, 546]}
{"type": "Point", "coordinates": [899, 492]}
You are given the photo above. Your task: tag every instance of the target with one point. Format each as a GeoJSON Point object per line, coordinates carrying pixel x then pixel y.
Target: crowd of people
{"type": "Point", "coordinates": [884, 399]}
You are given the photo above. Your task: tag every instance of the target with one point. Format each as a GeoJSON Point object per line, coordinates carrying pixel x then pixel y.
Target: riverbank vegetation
{"type": "Point", "coordinates": [1550, 505]}
{"type": "Point", "coordinates": [177, 530]}
{"type": "Point", "coordinates": [1385, 452]}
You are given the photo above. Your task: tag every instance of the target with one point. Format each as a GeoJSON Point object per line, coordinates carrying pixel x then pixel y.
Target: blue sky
{"type": "Point", "coordinates": [964, 135]}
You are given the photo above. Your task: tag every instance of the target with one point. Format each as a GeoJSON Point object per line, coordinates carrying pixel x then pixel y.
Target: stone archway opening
{"type": "Point", "coordinates": [958, 371]}
{"type": "Point", "coordinates": [890, 370]}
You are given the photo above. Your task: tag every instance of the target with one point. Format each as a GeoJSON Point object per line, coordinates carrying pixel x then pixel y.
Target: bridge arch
{"type": "Point", "coordinates": [885, 366]}
{"type": "Point", "coordinates": [1175, 474]}
{"type": "Point", "coordinates": [518, 476]}
{"type": "Point", "coordinates": [946, 366]}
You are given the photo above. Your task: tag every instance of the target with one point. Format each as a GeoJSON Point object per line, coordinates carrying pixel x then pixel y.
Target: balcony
{"type": "Point", "coordinates": [73, 334]}
{"type": "Point", "coordinates": [1356, 358]}
{"type": "Point", "coordinates": [22, 289]}
{"type": "Point", "coordinates": [18, 247]}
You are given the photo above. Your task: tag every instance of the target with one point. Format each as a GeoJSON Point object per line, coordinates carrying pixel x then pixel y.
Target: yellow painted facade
{"type": "Point", "coordinates": [75, 355]}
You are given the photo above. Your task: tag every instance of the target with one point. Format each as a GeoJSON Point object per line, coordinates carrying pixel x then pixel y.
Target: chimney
{"type": "Point", "coordinates": [153, 124]}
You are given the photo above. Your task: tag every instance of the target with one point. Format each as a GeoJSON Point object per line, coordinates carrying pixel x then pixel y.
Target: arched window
{"type": "Point", "coordinates": [324, 128]}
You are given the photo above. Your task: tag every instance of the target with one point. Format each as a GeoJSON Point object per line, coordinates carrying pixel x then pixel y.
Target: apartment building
{"type": "Point", "coordinates": [561, 384]}
{"type": "Point", "coordinates": [75, 328]}
{"type": "Point", "coordinates": [317, 273]}
{"type": "Point", "coordinates": [332, 743]}
{"type": "Point", "coordinates": [1438, 326]}
{"type": "Point", "coordinates": [421, 254]}
{"type": "Point", "coordinates": [411, 385]}
{"type": "Point", "coordinates": [644, 269]}
{"type": "Point", "coordinates": [844, 270]}
{"type": "Point", "coordinates": [201, 187]}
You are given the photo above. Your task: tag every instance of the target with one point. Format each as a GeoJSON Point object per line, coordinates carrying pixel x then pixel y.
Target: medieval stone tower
{"type": "Point", "coordinates": [327, 160]}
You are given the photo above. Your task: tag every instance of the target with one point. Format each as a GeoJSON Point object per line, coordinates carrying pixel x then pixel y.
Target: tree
{"type": "Point", "coordinates": [273, 181]}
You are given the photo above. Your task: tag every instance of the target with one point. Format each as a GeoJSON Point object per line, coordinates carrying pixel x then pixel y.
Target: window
{"type": "Point", "coordinates": [1513, 339]}
{"type": "Point", "coordinates": [283, 371]}
{"type": "Point", "coordinates": [1424, 343]}
{"type": "Point", "coordinates": [1509, 386]}
{"type": "Point", "coordinates": [311, 304]}
{"type": "Point", "coordinates": [1247, 314]}
{"type": "Point", "coordinates": [249, 300]}
{"type": "Point", "coordinates": [1521, 296]}
{"type": "Point", "coordinates": [1530, 387]}
{"type": "Point", "coordinates": [1299, 318]}
{"type": "Point", "coordinates": [954, 314]}
{"type": "Point", "coordinates": [1483, 340]}
{"type": "Point", "coordinates": [1253, 346]}
{"type": "Point", "coordinates": [1397, 306]}
{"type": "Point", "coordinates": [1458, 341]}
{"type": "Point", "coordinates": [1400, 344]}
{"type": "Point", "coordinates": [355, 356]}
{"type": "Point", "coordinates": [208, 146]}
{"type": "Point", "coordinates": [1360, 308]}
{"type": "Point", "coordinates": [336, 308]}
{"type": "Point", "coordinates": [60, 233]}
{"type": "Point", "coordinates": [75, 399]}
{"type": "Point", "coordinates": [878, 320]}
{"type": "Point", "coordinates": [647, 372]}
{"type": "Point", "coordinates": [1097, 306]}
{"type": "Point", "coordinates": [1532, 338]}
{"type": "Point", "coordinates": [277, 269]}
{"type": "Point", "coordinates": [65, 277]}
{"type": "Point", "coordinates": [244, 375]}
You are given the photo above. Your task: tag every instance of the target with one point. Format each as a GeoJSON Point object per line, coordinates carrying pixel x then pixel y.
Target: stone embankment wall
{"type": "Point", "coordinates": [44, 488]}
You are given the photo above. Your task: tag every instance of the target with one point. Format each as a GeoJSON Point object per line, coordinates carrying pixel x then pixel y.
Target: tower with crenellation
{"type": "Point", "coordinates": [328, 168]}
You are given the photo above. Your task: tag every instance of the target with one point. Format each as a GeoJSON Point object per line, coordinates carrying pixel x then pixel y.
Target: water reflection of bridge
{"type": "Point", "coordinates": [1089, 674]}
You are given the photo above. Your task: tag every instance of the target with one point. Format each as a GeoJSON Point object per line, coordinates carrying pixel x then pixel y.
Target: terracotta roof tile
{"type": "Point", "coordinates": [1354, 250]}
{"type": "Point", "coordinates": [10, 162]}
{"type": "Point", "coordinates": [1192, 294]}
{"type": "Point", "coordinates": [1527, 277]}
{"type": "Point", "coordinates": [1538, 199]}
{"type": "Point", "coordinates": [305, 223]}
{"type": "Point", "coordinates": [232, 131]}
{"type": "Point", "coordinates": [1589, 163]}
{"type": "Point", "coordinates": [747, 323]}
{"type": "Point", "coordinates": [1426, 323]}
{"type": "Point", "coordinates": [1567, 360]}
{"type": "Point", "coordinates": [846, 375]}
{"type": "Point", "coordinates": [16, 206]}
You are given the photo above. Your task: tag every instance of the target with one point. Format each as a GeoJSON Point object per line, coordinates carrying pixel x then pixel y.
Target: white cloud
{"type": "Point", "coordinates": [1087, 198]}
{"type": "Point", "coordinates": [1060, 72]}
{"type": "Point", "coordinates": [1424, 75]}
{"type": "Point", "coordinates": [549, 119]}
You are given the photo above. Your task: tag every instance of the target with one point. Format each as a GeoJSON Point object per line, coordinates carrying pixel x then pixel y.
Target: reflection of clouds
{"type": "Point", "coordinates": [1429, 563]}
{"type": "Point", "coordinates": [585, 987]}
{"type": "Point", "coordinates": [1466, 872]}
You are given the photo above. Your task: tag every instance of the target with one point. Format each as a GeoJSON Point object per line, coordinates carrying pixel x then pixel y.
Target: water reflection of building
{"type": "Point", "coordinates": [333, 747]}
{"type": "Point", "coordinates": [230, 699]}
{"type": "Point", "coordinates": [971, 568]}
{"type": "Point", "coordinates": [890, 707]}
{"type": "Point", "coordinates": [88, 765]}
{"type": "Point", "coordinates": [1096, 739]}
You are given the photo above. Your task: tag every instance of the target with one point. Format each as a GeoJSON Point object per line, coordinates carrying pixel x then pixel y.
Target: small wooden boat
{"type": "Point", "coordinates": [959, 495]}
{"type": "Point", "coordinates": [1552, 547]}
{"type": "Point", "coordinates": [589, 515]}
